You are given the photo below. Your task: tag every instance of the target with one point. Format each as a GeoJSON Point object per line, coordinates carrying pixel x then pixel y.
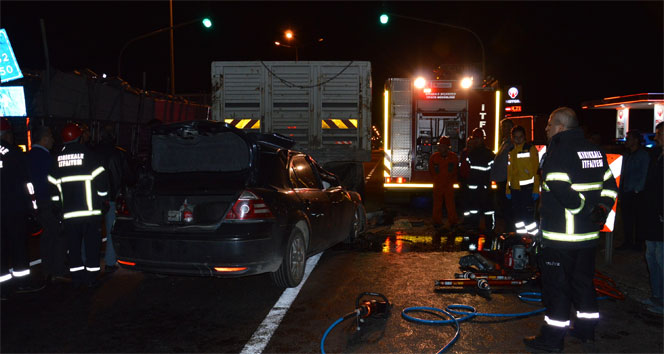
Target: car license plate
{"type": "Point", "coordinates": [174, 216]}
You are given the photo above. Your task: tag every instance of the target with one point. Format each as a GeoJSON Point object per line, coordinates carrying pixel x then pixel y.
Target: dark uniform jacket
{"type": "Point", "coordinates": [480, 161]}
{"type": "Point", "coordinates": [653, 199]}
{"type": "Point", "coordinates": [81, 181]}
{"type": "Point", "coordinates": [117, 166]}
{"type": "Point", "coordinates": [14, 177]}
{"type": "Point", "coordinates": [576, 178]}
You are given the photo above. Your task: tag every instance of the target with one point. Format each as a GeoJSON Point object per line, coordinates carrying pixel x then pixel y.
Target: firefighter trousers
{"type": "Point", "coordinates": [479, 205]}
{"type": "Point", "coordinates": [14, 236]}
{"type": "Point", "coordinates": [567, 279]}
{"type": "Point", "coordinates": [444, 194]}
{"type": "Point", "coordinates": [88, 229]}
{"type": "Point", "coordinates": [52, 244]}
{"type": "Point", "coordinates": [523, 210]}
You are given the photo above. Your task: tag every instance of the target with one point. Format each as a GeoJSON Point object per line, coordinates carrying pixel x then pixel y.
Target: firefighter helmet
{"type": "Point", "coordinates": [444, 141]}
{"type": "Point", "coordinates": [70, 132]}
{"type": "Point", "coordinates": [5, 125]}
{"type": "Point", "coordinates": [477, 133]}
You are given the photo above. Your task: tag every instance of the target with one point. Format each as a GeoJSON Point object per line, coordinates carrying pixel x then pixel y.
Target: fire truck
{"type": "Point", "coordinates": [417, 112]}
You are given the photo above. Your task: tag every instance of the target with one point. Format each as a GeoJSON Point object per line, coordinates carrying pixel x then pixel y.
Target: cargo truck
{"type": "Point", "coordinates": [324, 106]}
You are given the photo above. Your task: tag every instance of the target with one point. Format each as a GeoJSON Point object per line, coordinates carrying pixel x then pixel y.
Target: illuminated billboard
{"type": "Point", "coordinates": [12, 101]}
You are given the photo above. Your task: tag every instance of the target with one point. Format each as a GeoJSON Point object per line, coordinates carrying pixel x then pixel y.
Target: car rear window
{"type": "Point", "coordinates": [272, 170]}
{"type": "Point", "coordinates": [218, 152]}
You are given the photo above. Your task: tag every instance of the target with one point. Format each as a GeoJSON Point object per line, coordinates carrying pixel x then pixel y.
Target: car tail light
{"type": "Point", "coordinates": [121, 208]}
{"type": "Point", "coordinates": [126, 263]}
{"type": "Point", "coordinates": [249, 207]}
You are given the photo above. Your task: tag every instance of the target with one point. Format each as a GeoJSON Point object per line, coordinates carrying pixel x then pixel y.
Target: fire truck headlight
{"type": "Point", "coordinates": [420, 82]}
{"type": "Point", "coordinates": [466, 82]}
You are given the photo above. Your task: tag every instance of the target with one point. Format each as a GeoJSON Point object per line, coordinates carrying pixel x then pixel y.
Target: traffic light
{"type": "Point", "coordinates": [207, 22]}
{"type": "Point", "coordinates": [384, 18]}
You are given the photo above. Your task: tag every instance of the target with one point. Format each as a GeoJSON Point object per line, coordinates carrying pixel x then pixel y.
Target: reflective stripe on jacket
{"type": "Point", "coordinates": [576, 178]}
{"type": "Point", "coordinates": [522, 168]}
{"type": "Point", "coordinates": [81, 182]}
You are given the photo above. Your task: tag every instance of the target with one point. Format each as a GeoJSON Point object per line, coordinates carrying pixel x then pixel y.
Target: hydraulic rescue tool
{"type": "Point", "coordinates": [509, 262]}
{"type": "Point", "coordinates": [364, 308]}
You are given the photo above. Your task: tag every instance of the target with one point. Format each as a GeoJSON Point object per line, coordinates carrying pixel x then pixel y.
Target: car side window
{"type": "Point", "coordinates": [302, 175]}
{"type": "Point", "coordinates": [328, 179]}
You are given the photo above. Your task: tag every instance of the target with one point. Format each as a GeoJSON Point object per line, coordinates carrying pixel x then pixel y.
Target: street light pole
{"type": "Point", "coordinates": [150, 34]}
{"type": "Point", "coordinates": [479, 40]}
{"type": "Point", "coordinates": [172, 52]}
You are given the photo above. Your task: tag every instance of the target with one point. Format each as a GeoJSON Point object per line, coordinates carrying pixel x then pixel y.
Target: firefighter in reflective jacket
{"type": "Point", "coordinates": [523, 182]}
{"type": "Point", "coordinates": [578, 190]}
{"type": "Point", "coordinates": [16, 198]}
{"type": "Point", "coordinates": [443, 166]}
{"type": "Point", "coordinates": [479, 162]}
{"type": "Point", "coordinates": [81, 189]}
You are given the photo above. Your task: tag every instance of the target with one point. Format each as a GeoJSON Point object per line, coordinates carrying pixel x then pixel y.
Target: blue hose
{"type": "Point", "coordinates": [329, 329]}
{"type": "Point", "coordinates": [451, 320]}
{"type": "Point", "coordinates": [466, 315]}
{"type": "Point", "coordinates": [450, 311]}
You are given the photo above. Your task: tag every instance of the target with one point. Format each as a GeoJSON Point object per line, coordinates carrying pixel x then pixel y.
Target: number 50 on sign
{"type": "Point", "coordinates": [9, 69]}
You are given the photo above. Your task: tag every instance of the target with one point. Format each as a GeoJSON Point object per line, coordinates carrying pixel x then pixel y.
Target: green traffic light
{"type": "Point", "coordinates": [384, 18]}
{"type": "Point", "coordinates": [207, 22]}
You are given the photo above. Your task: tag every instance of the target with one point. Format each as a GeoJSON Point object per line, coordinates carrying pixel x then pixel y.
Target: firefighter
{"type": "Point", "coordinates": [479, 162]}
{"type": "Point", "coordinates": [17, 202]}
{"type": "Point", "coordinates": [82, 190]}
{"type": "Point", "coordinates": [523, 182]}
{"type": "Point", "coordinates": [578, 189]}
{"type": "Point", "coordinates": [443, 166]}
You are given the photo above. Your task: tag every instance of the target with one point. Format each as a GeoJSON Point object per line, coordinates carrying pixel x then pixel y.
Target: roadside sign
{"type": "Point", "coordinates": [9, 69]}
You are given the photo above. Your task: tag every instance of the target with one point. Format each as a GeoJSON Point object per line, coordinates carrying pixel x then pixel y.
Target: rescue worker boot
{"type": "Point", "coordinates": [548, 340]}
{"type": "Point", "coordinates": [586, 334]}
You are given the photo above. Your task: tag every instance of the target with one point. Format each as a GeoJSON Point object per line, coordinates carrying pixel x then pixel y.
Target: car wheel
{"type": "Point", "coordinates": [357, 225]}
{"type": "Point", "coordinates": [291, 271]}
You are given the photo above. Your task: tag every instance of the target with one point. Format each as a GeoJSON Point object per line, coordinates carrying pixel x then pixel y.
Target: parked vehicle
{"type": "Point", "coordinates": [217, 201]}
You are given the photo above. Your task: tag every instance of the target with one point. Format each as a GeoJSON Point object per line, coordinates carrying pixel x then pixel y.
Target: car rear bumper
{"type": "Point", "coordinates": [258, 247]}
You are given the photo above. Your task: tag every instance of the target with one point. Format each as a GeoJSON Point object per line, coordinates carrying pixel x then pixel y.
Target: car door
{"type": "Point", "coordinates": [341, 206]}
{"type": "Point", "coordinates": [314, 202]}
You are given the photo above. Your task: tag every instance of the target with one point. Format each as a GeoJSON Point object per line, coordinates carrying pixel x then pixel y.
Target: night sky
{"type": "Point", "coordinates": [561, 53]}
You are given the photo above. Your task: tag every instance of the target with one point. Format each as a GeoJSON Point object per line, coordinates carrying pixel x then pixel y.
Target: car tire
{"type": "Point", "coordinates": [291, 271]}
{"type": "Point", "coordinates": [357, 224]}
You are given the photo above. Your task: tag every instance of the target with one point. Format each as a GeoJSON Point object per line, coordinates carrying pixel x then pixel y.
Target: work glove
{"type": "Point", "coordinates": [508, 196]}
{"type": "Point", "coordinates": [535, 196]}
{"type": "Point", "coordinates": [598, 214]}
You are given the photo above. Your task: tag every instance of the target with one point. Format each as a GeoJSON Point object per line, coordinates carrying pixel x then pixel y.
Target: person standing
{"type": "Point", "coordinates": [117, 165]}
{"type": "Point", "coordinates": [503, 206]}
{"type": "Point", "coordinates": [443, 166]}
{"type": "Point", "coordinates": [16, 195]}
{"type": "Point", "coordinates": [578, 190]}
{"type": "Point", "coordinates": [479, 160]}
{"type": "Point", "coordinates": [82, 183]}
{"type": "Point", "coordinates": [653, 218]}
{"type": "Point", "coordinates": [52, 246]}
{"type": "Point", "coordinates": [632, 181]}
{"type": "Point", "coordinates": [523, 182]}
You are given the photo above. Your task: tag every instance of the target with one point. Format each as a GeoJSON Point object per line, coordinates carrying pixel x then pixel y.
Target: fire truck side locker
{"type": "Point", "coordinates": [325, 106]}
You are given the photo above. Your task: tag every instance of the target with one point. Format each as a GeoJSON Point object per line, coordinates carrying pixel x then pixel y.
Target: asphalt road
{"type": "Point", "coordinates": [141, 313]}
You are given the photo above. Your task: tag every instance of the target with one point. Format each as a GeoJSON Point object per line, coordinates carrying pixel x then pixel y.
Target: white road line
{"type": "Point", "coordinates": [371, 173]}
{"type": "Point", "coordinates": [266, 329]}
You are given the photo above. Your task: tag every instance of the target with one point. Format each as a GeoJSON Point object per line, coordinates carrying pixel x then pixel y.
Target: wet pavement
{"type": "Point", "coordinates": [139, 312]}
{"type": "Point", "coordinates": [401, 256]}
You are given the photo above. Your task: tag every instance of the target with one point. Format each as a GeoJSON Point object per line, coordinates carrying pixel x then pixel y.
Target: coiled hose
{"type": "Point", "coordinates": [449, 311]}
